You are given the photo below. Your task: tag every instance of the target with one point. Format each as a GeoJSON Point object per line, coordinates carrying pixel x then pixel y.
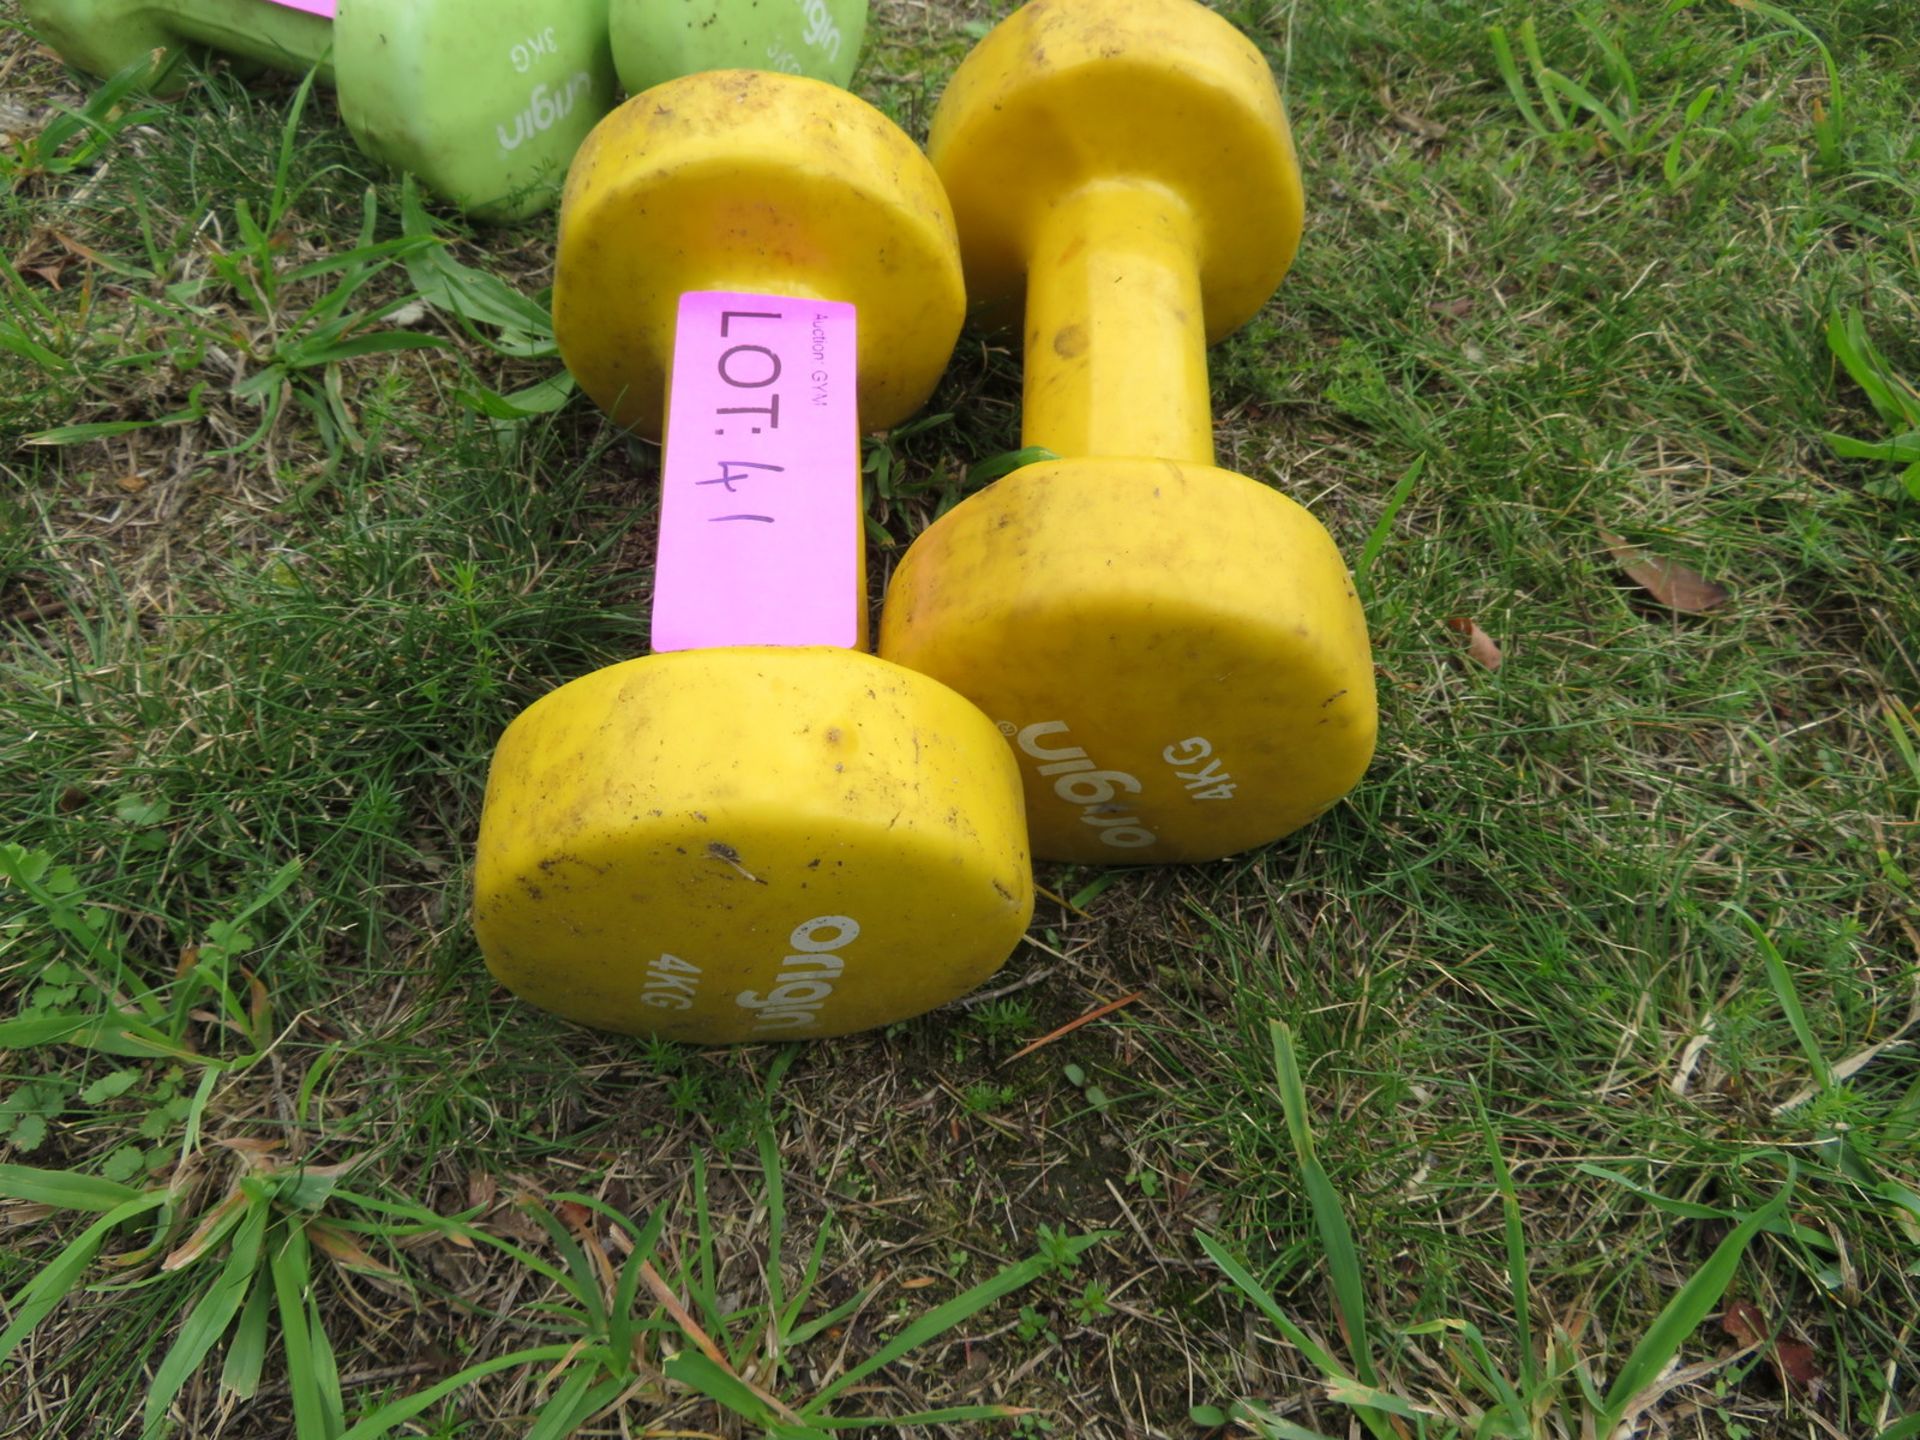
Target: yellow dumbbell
{"type": "Point", "coordinates": [1175, 652]}
{"type": "Point", "coordinates": [758, 831]}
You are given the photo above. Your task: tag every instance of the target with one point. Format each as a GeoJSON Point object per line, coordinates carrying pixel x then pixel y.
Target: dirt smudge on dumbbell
{"type": "Point", "coordinates": [552, 862]}
{"type": "Point", "coordinates": [726, 854]}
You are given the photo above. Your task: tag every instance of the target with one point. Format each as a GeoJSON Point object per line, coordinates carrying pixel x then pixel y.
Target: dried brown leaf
{"type": "Point", "coordinates": [1793, 1361]}
{"type": "Point", "coordinates": [249, 1147]}
{"type": "Point", "coordinates": [1668, 581]}
{"type": "Point", "coordinates": [1744, 1322]}
{"type": "Point", "coordinates": [196, 1244]}
{"type": "Point", "coordinates": [343, 1249]}
{"type": "Point", "coordinates": [1480, 645]}
{"type": "Point", "coordinates": [1796, 1363]}
{"type": "Point", "coordinates": [74, 247]}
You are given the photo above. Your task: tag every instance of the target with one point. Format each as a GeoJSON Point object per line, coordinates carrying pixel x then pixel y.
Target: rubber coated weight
{"type": "Point", "coordinates": [485, 104]}
{"type": "Point", "coordinates": [831, 200]}
{"type": "Point", "coordinates": [1175, 653]}
{"type": "Point", "coordinates": [753, 841]}
{"type": "Point", "coordinates": [655, 40]}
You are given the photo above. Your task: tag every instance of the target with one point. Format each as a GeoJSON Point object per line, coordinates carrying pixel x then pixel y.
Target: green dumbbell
{"type": "Point", "coordinates": [655, 40]}
{"type": "Point", "coordinates": [485, 107]}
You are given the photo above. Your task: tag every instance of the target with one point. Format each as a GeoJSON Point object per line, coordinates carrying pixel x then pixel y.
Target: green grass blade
{"type": "Point", "coordinates": [1830, 134]}
{"type": "Point", "coordinates": [698, 1372]}
{"type": "Point", "coordinates": [1517, 87]}
{"type": "Point", "coordinates": [326, 1373]}
{"type": "Point", "coordinates": [1615, 127]}
{"type": "Point", "coordinates": [1905, 729]}
{"type": "Point", "coordinates": [208, 1321]}
{"type": "Point", "coordinates": [1850, 344]}
{"type": "Point", "coordinates": [364, 261]}
{"type": "Point", "coordinates": [583, 1279]}
{"type": "Point", "coordinates": [1682, 1315]}
{"type": "Point", "coordinates": [1619, 67]}
{"type": "Point", "coordinates": [1519, 1278]}
{"type": "Point", "coordinates": [1493, 1379]}
{"type": "Point", "coordinates": [1784, 1225]}
{"type": "Point", "coordinates": [776, 1202]}
{"type": "Point", "coordinates": [942, 1318]}
{"type": "Point", "coordinates": [1323, 1360]}
{"type": "Point", "coordinates": [63, 1189]}
{"type": "Point", "coordinates": [106, 429]}
{"type": "Point", "coordinates": [1383, 527]}
{"type": "Point", "coordinates": [247, 1351]}
{"type": "Point", "coordinates": [701, 1283]}
{"type": "Point", "coordinates": [577, 1398]}
{"type": "Point", "coordinates": [543, 397]}
{"type": "Point", "coordinates": [32, 1301]}
{"type": "Point", "coordinates": [396, 1413]}
{"type": "Point", "coordinates": [16, 341]}
{"type": "Point", "coordinates": [809, 1276]}
{"type": "Point", "coordinates": [473, 297]}
{"type": "Point", "coordinates": [985, 472]}
{"type": "Point", "coordinates": [800, 1334]}
{"type": "Point", "coordinates": [1343, 1261]}
{"type": "Point", "coordinates": [1369, 1398]}
{"type": "Point", "coordinates": [429, 1221]}
{"type": "Point", "coordinates": [1530, 42]}
{"type": "Point", "coordinates": [1242, 1278]}
{"type": "Point", "coordinates": [292, 1275]}
{"type": "Point", "coordinates": [289, 138]}
{"type": "Point", "coordinates": [1899, 448]}
{"type": "Point", "coordinates": [1789, 997]}
{"type": "Point", "coordinates": [620, 1324]}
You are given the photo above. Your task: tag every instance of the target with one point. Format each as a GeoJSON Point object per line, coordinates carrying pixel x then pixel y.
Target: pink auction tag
{"type": "Point", "coordinates": [323, 8]}
{"type": "Point", "coordinates": [760, 530]}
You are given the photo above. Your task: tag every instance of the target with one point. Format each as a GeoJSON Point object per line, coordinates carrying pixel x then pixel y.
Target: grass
{"type": "Point", "coordinates": [1594, 994]}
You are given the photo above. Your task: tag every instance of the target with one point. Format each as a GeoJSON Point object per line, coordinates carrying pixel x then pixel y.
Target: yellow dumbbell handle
{"type": "Point", "coordinates": [1116, 360]}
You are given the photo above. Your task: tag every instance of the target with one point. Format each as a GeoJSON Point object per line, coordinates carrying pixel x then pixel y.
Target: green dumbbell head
{"type": "Point", "coordinates": [655, 40]}
{"type": "Point", "coordinates": [487, 108]}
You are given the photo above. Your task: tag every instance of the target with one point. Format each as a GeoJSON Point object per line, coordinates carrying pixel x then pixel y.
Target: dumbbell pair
{"type": "Point", "coordinates": [762, 835]}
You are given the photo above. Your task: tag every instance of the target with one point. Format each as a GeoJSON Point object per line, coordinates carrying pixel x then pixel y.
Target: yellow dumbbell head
{"type": "Point", "coordinates": [759, 843]}
{"type": "Point", "coordinates": [1063, 92]}
{"type": "Point", "coordinates": [1194, 682]}
{"type": "Point", "coordinates": [741, 180]}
